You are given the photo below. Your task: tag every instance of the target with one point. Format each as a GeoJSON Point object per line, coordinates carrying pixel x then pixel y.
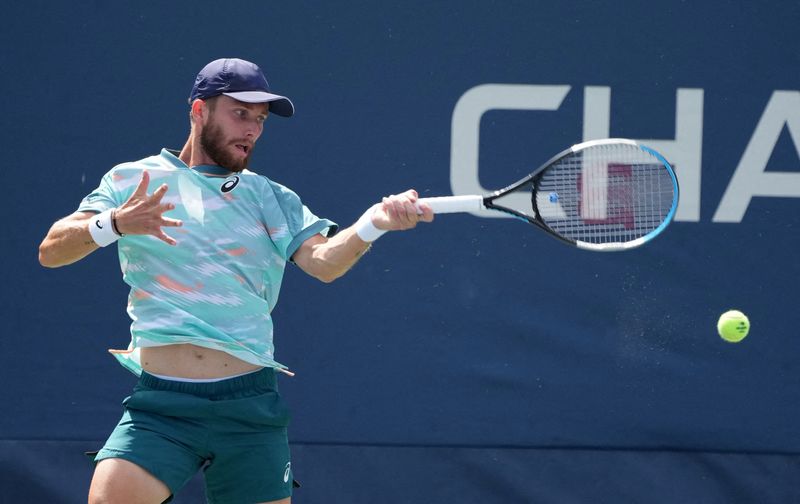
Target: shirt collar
{"type": "Point", "coordinates": [171, 156]}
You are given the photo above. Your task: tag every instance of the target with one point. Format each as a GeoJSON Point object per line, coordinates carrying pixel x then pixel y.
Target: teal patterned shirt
{"type": "Point", "coordinates": [217, 286]}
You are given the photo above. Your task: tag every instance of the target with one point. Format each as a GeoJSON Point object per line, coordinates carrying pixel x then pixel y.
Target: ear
{"type": "Point", "coordinates": [199, 110]}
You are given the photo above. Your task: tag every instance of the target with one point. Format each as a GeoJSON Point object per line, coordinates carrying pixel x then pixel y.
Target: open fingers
{"type": "Point", "coordinates": [141, 188]}
{"type": "Point", "coordinates": [158, 194]}
{"type": "Point", "coordinates": [166, 221]}
{"type": "Point", "coordinates": [165, 207]}
{"type": "Point", "coordinates": [161, 235]}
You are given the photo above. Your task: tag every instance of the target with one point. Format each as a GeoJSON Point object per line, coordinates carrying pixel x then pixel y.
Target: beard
{"type": "Point", "coordinates": [213, 142]}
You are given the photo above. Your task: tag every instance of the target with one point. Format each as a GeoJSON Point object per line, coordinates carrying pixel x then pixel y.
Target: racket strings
{"type": "Point", "coordinates": [605, 194]}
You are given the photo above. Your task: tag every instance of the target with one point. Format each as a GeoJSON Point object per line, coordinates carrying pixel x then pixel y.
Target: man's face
{"type": "Point", "coordinates": [230, 131]}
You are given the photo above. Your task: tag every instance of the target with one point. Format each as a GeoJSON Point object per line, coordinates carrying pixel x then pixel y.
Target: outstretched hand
{"type": "Point", "coordinates": [143, 214]}
{"type": "Point", "coordinates": [401, 211]}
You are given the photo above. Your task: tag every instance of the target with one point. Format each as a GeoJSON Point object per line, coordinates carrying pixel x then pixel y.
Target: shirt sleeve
{"type": "Point", "coordinates": [102, 198]}
{"type": "Point", "coordinates": [301, 223]}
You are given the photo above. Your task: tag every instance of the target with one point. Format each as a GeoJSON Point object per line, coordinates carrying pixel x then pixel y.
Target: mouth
{"type": "Point", "coordinates": [243, 148]}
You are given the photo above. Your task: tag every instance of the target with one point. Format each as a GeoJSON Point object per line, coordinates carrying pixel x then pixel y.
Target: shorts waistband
{"type": "Point", "coordinates": [263, 379]}
{"type": "Point", "coordinates": [200, 380]}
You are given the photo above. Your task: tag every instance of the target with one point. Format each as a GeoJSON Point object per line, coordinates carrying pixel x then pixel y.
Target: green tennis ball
{"type": "Point", "coordinates": [733, 326]}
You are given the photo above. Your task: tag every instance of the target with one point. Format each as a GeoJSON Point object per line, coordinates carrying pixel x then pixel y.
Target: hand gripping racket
{"type": "Point", "coordinates": [601, 195]}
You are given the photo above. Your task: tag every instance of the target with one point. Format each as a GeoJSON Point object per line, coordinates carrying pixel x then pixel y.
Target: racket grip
{"type": "Point", "coordinates": [453, 204]}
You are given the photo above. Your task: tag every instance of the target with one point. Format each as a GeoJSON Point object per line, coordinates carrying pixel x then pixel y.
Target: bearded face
{"type": "Point", "coordinates": [229, 153]}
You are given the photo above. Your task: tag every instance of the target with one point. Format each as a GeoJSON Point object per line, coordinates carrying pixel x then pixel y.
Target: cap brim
{"type": "Point", "coordinates": [277, 104]}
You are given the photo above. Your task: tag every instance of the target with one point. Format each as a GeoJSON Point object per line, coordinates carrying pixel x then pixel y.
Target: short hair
{"type": "Point", "coordinates": [212, 104]}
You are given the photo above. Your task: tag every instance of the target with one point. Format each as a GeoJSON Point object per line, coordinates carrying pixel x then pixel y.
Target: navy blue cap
{"type": "Point", "coordinates": [241, 80]}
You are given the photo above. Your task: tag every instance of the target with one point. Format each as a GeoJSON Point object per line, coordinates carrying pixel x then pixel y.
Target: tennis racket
{"type": "Point", "coordinates": [602, 195]}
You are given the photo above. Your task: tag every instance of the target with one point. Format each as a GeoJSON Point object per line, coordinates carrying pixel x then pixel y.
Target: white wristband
{"type": "Point", "coordinates": [102, 229]}
{"type": "Point", "coordinates": [365, 229]}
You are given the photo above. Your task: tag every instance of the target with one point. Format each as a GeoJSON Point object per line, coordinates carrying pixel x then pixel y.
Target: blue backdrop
{"type": "Point", "coordinates": [474, 359]}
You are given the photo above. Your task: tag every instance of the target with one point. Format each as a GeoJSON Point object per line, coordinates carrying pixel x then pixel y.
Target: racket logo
{"type": "Point", "coordinates": [607, 194]}
{"type": "Point", "coordinates": [286, 472]}
{"type": "Point", "coordinates": [230, 184]}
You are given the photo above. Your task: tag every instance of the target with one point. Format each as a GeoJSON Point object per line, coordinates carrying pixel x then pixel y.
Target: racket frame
{"type": "Point", "coordinates": [473, 203]}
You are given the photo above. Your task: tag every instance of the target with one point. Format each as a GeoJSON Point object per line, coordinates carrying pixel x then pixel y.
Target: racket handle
{"type": "Point", "coordinates": [454, 204]}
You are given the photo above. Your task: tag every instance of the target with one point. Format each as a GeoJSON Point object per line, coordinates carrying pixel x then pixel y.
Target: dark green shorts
{"type": "Point", "coordinates": [235, 430]}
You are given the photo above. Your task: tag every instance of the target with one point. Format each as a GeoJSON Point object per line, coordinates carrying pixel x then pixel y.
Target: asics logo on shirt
{"type": "Point", "coordinates": [229, 184]}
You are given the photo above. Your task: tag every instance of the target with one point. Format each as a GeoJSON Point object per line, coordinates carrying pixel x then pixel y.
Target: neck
{"type": "Point", "coordinates": [193, 154]}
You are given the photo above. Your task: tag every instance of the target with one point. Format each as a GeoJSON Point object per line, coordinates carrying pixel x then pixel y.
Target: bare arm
{"type": "Point", "coordinates": [329, 258]}
{"type": "Point", "coordinates": [69, 240]}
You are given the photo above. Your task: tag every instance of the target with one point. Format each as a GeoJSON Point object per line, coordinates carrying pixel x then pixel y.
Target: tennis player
{"type": "Point", "coordinates": [203, 243]}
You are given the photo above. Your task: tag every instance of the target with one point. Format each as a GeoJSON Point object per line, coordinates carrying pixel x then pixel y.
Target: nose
{"type": "Point", "coordinates": [254, 129]}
